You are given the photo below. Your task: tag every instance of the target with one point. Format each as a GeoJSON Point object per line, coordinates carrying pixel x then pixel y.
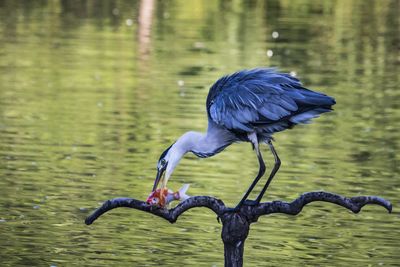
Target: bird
{"type": "Point", "coordinates": [247, 106]}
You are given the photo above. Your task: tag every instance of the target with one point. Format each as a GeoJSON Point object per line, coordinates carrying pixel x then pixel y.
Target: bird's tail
{"type": "Point", "coordinates": [182, 192]}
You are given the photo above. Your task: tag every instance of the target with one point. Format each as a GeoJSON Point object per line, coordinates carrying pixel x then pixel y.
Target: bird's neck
{"type": "Point", "coordinates": [203, 145]}
{"type": "Point", "coordinates": [191, 141]}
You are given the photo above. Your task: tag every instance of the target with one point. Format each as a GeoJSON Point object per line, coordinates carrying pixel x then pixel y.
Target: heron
{"type": "Point", "coordinates": [247, 106]}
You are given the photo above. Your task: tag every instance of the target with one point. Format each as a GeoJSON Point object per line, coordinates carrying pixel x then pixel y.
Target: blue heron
{"type": "Point", "coordinates": [247, 106]}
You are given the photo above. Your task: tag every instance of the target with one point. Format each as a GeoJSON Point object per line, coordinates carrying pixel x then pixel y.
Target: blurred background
{"type": "Point", "coordinates": [91, 92]}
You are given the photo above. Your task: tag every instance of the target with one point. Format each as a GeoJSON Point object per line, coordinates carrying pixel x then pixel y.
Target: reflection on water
{"type": "Point", "coordinates": [92, 92]}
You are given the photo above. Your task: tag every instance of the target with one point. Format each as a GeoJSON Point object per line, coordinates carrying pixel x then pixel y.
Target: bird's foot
{"type": "Point", "coordinates": [248, 202]}
{"type": "Point", "coordinates": [228, 210]}
{"type": "Point", "coordinates": [236, 209]}
{"type": "Point", "coordinates": [232, 210]}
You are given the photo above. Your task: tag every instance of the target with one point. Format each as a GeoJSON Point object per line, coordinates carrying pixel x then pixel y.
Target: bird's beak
{"type": "Point", "coordinates": [160, 174]}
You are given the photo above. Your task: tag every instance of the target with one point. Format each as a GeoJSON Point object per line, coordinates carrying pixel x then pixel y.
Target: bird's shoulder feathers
{"type": "Point", "coordinates": [251, 100]}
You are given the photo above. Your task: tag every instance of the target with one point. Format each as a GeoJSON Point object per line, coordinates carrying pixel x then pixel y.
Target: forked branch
{"type": "Point", "coordinates": [251, 212]}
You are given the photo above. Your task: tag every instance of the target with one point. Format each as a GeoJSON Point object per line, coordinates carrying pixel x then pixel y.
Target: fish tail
{"type": "Point", "coordinates": [182, 192]}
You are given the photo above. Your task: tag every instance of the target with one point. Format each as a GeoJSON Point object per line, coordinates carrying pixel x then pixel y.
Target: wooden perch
{"type": "Point", "coordinates": [236, 225]}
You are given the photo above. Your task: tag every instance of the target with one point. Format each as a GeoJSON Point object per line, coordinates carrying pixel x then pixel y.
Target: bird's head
{"type": "Point", "coordinates": [169, 159]}
{"type": "Point", "coordinates": [161, 167]}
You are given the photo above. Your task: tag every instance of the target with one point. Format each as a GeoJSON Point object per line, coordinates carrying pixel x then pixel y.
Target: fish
{"type": "Point", "coordinates": [162, 197]}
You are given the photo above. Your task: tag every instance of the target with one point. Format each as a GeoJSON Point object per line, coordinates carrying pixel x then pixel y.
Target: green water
{"type": "Point", "coordinates": [89, 98]}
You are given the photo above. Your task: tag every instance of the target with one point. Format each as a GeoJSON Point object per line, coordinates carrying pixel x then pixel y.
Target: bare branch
{"type": "Point", "coordinates": [252, 212]}
{"type": "Point", "coordinates": [354, 204]}
{"type": "Point", "coordinates": [171, 215]}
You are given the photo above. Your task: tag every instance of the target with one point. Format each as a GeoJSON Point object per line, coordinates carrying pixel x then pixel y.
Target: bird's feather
{"type": "Point", "coordinates": [263, 100]}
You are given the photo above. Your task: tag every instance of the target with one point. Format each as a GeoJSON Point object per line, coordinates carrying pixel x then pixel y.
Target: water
{"type": "Point", "coordinates": [89, 98]}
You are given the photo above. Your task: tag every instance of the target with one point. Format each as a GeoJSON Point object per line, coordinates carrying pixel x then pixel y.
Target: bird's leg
{"type": "Point", "coordinates": [273, 172]}
{"type": "Point", "coordinates": [261, 171]}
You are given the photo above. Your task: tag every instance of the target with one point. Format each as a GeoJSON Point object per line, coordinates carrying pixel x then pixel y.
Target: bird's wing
{"type": "Point", "coordinates": [250, 98]}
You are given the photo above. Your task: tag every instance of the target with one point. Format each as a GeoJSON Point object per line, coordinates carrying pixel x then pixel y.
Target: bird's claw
{"type": "Point", "coordinates": [248, 202]}
{"type": "Point", "coordinates": [232, 210]}
{"type": "Point", "coordinates": [239, 206]}
{"type": "Point", "coordinates": [228, 210]}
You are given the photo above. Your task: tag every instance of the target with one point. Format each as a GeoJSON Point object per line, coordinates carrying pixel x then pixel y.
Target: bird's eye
{"type": "Point", "coordinates": [163, 162]}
